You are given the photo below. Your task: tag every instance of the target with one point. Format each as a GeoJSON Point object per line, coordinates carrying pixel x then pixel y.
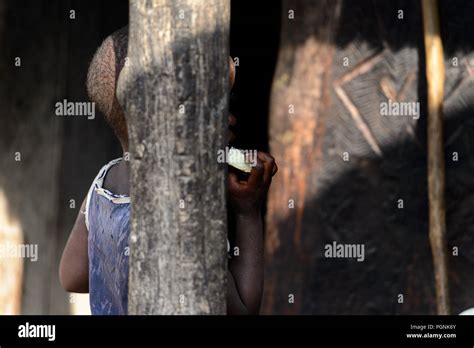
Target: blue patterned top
{"type": "Point", "coordinates": [108, 223]}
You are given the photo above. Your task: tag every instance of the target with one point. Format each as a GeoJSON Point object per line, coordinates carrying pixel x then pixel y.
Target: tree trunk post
{"type": "Point", "coordinates": [174, 90]}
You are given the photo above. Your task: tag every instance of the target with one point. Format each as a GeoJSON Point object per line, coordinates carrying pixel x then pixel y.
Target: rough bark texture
{"type": "Point", "coordinates": [174, 90]}
{"type": "Point", "coordinates": [337, 110]}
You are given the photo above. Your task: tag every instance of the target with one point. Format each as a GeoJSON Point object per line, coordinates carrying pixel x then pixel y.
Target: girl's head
{"type": "Point", "coordinates": [102, 78]}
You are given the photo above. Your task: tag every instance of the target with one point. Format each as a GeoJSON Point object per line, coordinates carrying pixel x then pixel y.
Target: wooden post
{"type": "Point", "coordinates": [436, 171]}
{"type": "Point", "coordinates": [304, 84]}
{"type": "Point", "coordinates": [174, 89]}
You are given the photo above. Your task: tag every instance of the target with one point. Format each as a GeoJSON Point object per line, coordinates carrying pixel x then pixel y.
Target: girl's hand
{"type": "Point", "coordinates": [246, 197]}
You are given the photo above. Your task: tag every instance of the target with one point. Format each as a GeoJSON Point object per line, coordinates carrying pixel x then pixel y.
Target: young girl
{"type": "Point", "coordinates": [94, 259]}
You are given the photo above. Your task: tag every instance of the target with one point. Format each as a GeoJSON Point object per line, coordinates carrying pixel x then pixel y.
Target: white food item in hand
{"type": "Point", "coordinates": [469, 311]}
{"type": "Point", "coordinates": [236, 158]}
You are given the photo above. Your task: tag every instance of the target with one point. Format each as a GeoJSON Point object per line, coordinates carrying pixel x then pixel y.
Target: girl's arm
{"type": "Point", "coordinates": [245, 276]}
{"type": "Point", "coordinates": [246, 269]}
{"type": "Point", "coordinates": [74, 267]}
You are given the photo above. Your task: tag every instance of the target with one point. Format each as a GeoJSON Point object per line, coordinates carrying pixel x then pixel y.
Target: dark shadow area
{"type": "Point", "coordinates": [254, 39]}
{"type": "Point", "coordinates": [361, 206]}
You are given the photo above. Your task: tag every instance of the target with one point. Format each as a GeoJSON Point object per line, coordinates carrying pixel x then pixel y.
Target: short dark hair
{"type": "Point", "coordinates": [102, 78]}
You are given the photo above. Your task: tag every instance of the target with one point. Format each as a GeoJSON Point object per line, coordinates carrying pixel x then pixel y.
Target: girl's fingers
{"type": "Point", "coordinates": [233, 181]}
{"type": "Point", "coordinates": [269, 164]}
{"type": "Point", "coordinates": [275, 169]}
{"type": "Point", "coordinates": [256, 175]}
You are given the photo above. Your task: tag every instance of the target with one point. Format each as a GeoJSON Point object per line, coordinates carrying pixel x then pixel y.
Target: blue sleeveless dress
{"type": "Point", "coordinates": [108, 222]}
